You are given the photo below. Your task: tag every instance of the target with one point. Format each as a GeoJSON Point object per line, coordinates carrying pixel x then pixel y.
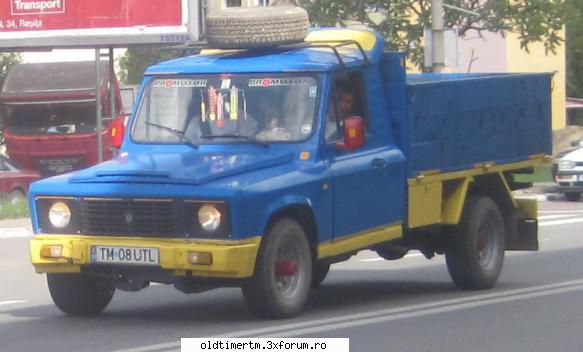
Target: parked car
{"type": "Point", "coordinates": [568, 171]}
{"type": "Point", "coordinates": [14, 181]}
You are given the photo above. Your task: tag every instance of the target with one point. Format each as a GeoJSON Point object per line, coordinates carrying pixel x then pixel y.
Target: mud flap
{"type": "Point", "coordinates": [522, 227]}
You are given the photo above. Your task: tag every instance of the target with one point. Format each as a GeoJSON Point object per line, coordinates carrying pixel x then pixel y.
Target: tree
{"type": "Point", "coordinates": [401, 22]}
{"type": "Point", "coordinates": [133, 63]}
{"type": "Point", "coordinates": [136, 59]}
{"type": "Point", "coordinates": [7, 60]}
{"type": "Point", "coordinates": [574, 49]}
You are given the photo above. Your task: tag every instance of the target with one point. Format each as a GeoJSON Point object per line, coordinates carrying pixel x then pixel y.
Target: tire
{"type": "Point", "coordinates": [475, 254]}
{"type": "Point", "coordinates": [276, 295]}
{"type": "Point", "coordinates": [240, 28]}
{"type": "Point", "coordinates": [573, 196]}
{"type": "Point", "coordinates": [78, 294]}
{"type": "Point", "coordinates": [319, 273]}
{"type": "Point", "coordinates": [16, 196]}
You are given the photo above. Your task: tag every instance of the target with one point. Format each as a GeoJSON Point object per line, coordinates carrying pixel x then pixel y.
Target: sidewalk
{"type": "Point", "coordinates": [11, 223]}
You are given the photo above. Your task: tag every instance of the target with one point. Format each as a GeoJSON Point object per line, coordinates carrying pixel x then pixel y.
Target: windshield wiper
{"type": "Point", "coordinates": [178, 133]}
{"type": "Point", "coordinates": [236, 136]}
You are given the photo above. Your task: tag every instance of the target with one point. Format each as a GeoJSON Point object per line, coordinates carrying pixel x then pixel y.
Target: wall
{"type": "Point", "coordinates": [216, 5]}
{"type": "Point", "coordinates": [494, 53]}
{"type": "Point", "coordinates": [538, 61]}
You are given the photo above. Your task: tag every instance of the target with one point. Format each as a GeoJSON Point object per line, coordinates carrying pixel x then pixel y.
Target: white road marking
{"type": "Point", "coordinates": [561, 211]}
{"type": "Point", "coordinates": [373, 260]}
{"type": "Point", "coordinates": [423, 312]}
{"type": "Point", "coordinates": [410, 255]}
{"type": "Point", "coordinates": [550, 217]}
{"type": "Point", "coordinates": [411, 311]}
{"type": "Point", "coordinates": [560, 222]}
{"type": "Point", "coordinates": [14, 232]}
{"type": "Point", "coordinates": [5, 303]}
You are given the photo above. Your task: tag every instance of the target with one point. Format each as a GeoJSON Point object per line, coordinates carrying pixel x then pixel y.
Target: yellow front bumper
{"type": "Point", "coordinates": [230, 259]}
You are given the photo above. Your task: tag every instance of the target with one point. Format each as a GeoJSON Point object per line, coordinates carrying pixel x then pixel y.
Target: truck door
{"type": "Point", "coordinates": [368, 183]}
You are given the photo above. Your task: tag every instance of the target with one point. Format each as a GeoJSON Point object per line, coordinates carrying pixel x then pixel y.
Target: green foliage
{"type": "Point", "coordinates": [401, 22]}
{"type": "Point", "coordinates": [134, 62]}
{"type": "Point", "coordinates": [7, 60]}
{"type": "Point", "coordinates": [575, 48]}
{"type": "Point", "coordinates": [16, 210]}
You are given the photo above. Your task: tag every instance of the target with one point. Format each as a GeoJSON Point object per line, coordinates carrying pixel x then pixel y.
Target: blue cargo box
{"type": "Point", "coordinates": [450, 122]}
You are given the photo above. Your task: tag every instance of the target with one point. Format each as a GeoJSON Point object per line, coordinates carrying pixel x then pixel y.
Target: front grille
{"type": "Point", "coordinates": [147, 218]}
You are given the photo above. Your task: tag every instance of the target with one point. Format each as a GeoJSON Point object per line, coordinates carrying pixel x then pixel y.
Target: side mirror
{"type": "Point", "coordinates": [117, 132]}
{"type": "Point", "coordinates": [353, 133]}
{"type": "Point", "coordinates": [574, 143]}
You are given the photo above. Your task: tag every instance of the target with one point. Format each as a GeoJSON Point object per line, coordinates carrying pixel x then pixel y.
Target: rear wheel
{"type": "Point", "coordinates": [476, 252]}
{"type": "Point", "coordinates": [78, 294]}
{"type": "Point", "coordinates": [573, 196]}
{"type": "Point", "coordinates": [283, 273]}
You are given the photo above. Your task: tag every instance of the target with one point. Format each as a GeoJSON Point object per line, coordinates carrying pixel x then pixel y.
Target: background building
{"type": "Point", "coordinates": [491, 52]}
{"type": "Point", "coordinates": [216, 5]}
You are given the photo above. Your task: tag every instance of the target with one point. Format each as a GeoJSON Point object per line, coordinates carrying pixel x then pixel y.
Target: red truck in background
{"type": "Point", "coordinates": [48, 115]}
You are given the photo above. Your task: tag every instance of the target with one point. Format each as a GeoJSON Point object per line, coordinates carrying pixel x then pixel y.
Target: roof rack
{"type": "Point", "coordinates": [195, 48]}
{"type": "Point", "coordinates": [333, 45]}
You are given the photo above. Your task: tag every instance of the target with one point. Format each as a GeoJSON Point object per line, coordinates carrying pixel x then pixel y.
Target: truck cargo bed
{"type": "Point", "coordinates": [456, 121]}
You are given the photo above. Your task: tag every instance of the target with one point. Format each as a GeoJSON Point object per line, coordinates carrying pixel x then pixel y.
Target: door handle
{"type": "Point", "coordinates": [379, 163]}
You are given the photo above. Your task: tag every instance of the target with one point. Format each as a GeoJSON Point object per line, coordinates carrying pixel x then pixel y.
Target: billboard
{"type": "Point", "coordinates": [90, 23]}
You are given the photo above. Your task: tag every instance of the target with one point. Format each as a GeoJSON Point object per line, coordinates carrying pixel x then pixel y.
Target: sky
{"type": "Point", "coordinates": [65, 55]}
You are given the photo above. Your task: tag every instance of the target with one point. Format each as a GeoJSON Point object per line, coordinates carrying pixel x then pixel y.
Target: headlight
{"type": "Point", "coordinates": [566, 164]}
{"type": "Point", "coordinates": [60, 215]}
{"type": "Point", "coordinates": [209, 218]}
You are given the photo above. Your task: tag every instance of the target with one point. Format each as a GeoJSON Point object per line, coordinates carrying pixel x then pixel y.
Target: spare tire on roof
{"type": "Point", "coordinates": [257, 27]}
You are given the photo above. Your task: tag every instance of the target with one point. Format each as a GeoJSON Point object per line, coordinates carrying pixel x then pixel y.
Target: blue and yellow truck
{"type": "Point", "coordinates": [260, 168]}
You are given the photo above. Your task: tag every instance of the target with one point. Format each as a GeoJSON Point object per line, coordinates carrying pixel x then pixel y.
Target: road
{"type": "Point", "coordinates": [405, 305]}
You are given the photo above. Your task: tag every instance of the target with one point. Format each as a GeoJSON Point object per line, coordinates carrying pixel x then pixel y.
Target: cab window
{"type": "Point", "coordinates": [346, 100]}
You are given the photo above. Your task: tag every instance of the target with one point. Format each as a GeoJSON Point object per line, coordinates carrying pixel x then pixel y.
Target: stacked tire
{"type": "Point", "coordinates": [259, 27]}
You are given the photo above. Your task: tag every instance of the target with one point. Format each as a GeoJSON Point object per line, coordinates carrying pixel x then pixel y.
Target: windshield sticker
{"type": "Point", "coordinates": [234, 104]}
{"type": "Point", "coordinates": [278, 82]}
{"type": "Point", "coordinates": [313, 92]}
{"type": "Point", "coordinates": [180, 83]}
{"type": "Point", "coordinates": [226, 84]}
{"type": "Point", "coordinates": [306, 129]}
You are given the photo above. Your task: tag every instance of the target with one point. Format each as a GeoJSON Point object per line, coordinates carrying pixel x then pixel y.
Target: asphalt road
{"type": "Point", "coordinates": [405, 305]}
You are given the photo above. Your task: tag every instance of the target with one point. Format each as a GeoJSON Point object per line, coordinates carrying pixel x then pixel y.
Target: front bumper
{"type": "Point", "coordinates": [230, 259]}
{"type": "Point", "coordinates": [569, 181]}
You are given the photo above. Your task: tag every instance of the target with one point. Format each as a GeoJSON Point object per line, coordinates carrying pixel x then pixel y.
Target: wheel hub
{"type": "Point", "coordinates": [286, 267]}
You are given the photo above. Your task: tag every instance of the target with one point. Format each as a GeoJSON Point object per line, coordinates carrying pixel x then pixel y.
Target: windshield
{"type": "Point", "coordinates": [237, 109]}
{"type": "Point", "coordinates": [50, 118]}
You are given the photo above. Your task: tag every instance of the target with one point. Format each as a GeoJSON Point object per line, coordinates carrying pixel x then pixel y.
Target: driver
{"type": "Point", "coordinates": [273, 130]}
{"type": "Point", "coordinates": [345, 103]}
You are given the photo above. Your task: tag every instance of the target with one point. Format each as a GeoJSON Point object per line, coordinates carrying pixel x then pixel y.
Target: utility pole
{"type": "Point", "coordinates": [437, 35]}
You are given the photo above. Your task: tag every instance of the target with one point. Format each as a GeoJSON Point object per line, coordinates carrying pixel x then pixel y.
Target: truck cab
{"type": "Point", "coordinates": [260, 168]}
{"type": "Point", "coordinates": [49, 122]}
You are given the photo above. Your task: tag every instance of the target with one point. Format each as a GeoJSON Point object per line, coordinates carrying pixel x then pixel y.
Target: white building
{"type": "Point", "coordinates": [217, 5]}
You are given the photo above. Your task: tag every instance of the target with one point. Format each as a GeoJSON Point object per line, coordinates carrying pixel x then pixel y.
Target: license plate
{"type": "Point", "coordinates": [125, 255]}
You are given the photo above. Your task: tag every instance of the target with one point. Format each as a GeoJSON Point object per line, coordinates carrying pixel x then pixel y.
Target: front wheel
{"type": "Point", "coordinates": [573, 196]}
{"type": "Point", "coordinates": [283, 273]}
{"type": "Point", "coordinates": [78, 294]}
{"type": "Point", "coordinates": [319, 273]}
{"type": "Point", "coordinates": [476, 252]}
